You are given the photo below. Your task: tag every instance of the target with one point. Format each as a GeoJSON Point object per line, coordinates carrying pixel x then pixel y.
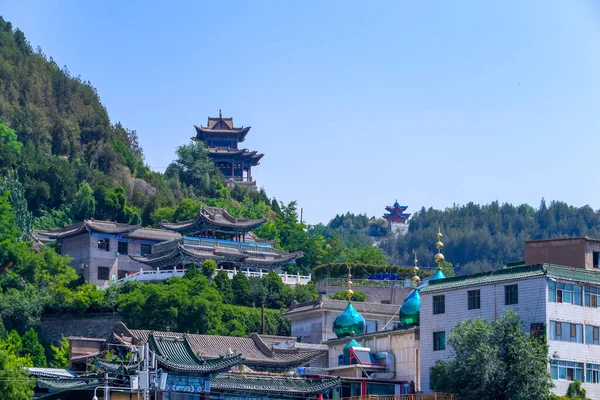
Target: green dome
{"type": "Point", "coordinates": [349, 323]}
{"type": "Point", "coordinates": [411, 309]}
{"type": "Point", "coordinates": [438, 275]}
{"type": "Point", "coordinates": [351, 343]}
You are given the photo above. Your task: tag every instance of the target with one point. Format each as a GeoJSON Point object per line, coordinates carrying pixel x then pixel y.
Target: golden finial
{"type": "Point", "coordinates": [349, 292]}
{"type": "Point", "coordinates": [416, 279]}
{"type": "Point", "coordinates": [439, 257]}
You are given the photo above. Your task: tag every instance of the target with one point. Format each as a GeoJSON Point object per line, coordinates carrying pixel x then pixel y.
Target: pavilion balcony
{"type": "Point", "coordinates": [241, 247]}
{"type": "Point", "coordinates": [162, 274]}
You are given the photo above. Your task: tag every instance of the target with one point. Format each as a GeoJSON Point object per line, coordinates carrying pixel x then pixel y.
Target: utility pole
{"type": "Point", "coordinates": [106, 391]}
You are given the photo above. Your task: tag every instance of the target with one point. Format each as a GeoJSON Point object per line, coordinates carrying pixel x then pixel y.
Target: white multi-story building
{"type": "Point", "coordinates": [560, 301]}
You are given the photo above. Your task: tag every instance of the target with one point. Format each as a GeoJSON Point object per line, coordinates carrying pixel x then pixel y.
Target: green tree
{"type": "Point", "coordinates": [16, 197]}
{"type": "Point", "coordinates": [341, 295]}
{"type": "Point", "coordinates": [304, 293]}
{"type": "Point", "coordinates": [224, 286]}
{"type": "Point", "coordinates": [494, 361]}
{"type": "Point", "coordinates": [60, 354]}
{"type": "Point", "coordinates": [10, 148]}
{"type": "Point", "coordinates": [15, 383]}
{"type": "Point", "coordinates": [241, 289]}
{"type": "Point", "coordinates": [84, 204]}
{"type": "Point", "coordinates": [31, 346]}
{"type": "Point", "coordinates": [575, 391]}
{"type": "Point", "coordinates": [208, 268]}
{"type": "Point", "coordinates": [192, 165]}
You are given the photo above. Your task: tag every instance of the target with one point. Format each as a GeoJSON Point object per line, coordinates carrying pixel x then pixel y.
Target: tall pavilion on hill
{"type": "Point", "coordinates": [397, 218]}
{"type": "Point", "coordinates": [222, 140]}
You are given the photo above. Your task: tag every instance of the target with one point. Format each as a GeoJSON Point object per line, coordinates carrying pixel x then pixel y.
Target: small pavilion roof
{"type": "Point", "coordinates": [107, 227]}
{"type": "Point", "coordinates": [176, 354]}
{"type": "Point", "coordinates": [258, 351]}
{"type": "Point", "coordinates": [240, 154]}
{"type": "Point", "coordinates": [214, 218]}
{"type": "Point", "coordinates": [221, 127]}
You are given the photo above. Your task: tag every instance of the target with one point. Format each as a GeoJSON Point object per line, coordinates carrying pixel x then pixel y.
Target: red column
{"type": "Point", "coordinates": [319, 397]}
{"type": "Point", "coordinates": [363, 388]}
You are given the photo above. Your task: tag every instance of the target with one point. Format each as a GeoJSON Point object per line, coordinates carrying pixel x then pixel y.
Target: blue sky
{"type": "Point", "coordinates": [355, 104]}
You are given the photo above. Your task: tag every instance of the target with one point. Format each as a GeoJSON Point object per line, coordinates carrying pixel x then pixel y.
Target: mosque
{"type": "Point", "coordinates": [385, 361]}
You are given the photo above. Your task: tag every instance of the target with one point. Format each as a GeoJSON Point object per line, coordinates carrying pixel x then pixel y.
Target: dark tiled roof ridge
{"type": "Point", "coordinates": [591, 239]}
{"type": "Point", "coordinates": [500, 271]}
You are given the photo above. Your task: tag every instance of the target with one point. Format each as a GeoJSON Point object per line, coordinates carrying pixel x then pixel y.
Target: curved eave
{"type": "Point", "coordinates": [214, 365]}
{"type": "Point", "coordinates": [202, 131]}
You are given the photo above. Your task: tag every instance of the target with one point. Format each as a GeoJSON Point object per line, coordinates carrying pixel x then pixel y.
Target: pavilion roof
{"type": "Point", "coordinates": [221, 127]}
{"type": "Point", "coordinates": [176, 354]}
{"type": "Point", "coordinates": [273, 385]}
{"type": "Point", "coordinates": [214, 218]}
{"type": "Point", "coordinates": [258, 351]}
{"type": "Point", "coordinates": [108, 227]}
{"type": "Point", "coordinates": [181, 253]}
{"type": "Point", "coordinates": [241, 154]}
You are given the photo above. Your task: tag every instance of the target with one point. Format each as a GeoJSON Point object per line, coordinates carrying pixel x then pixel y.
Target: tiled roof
{"type": "Point", "coordinates": [217, 217]}
{"type": "Point", "coordinates": [519, 272]}
{"type": "Point", "coordinates": [108, 227]}
{"type": "Point", "coordinates": [256, 350]}
{"type": "Point", "coordinates": [176, 354]}
{"type": "Point", "coordinates": [51, 372]}
{"type": "Point", "coordinates": [272, 385]}
{"type": "Point", "coordinates": [325, 303]}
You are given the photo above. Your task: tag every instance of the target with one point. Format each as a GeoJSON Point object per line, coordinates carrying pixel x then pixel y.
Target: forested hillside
{"type": "Point", "coordinates": [479, 238]}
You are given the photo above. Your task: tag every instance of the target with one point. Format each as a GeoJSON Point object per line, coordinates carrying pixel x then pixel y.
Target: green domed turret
{"type": "Point", "coordinates": [349, 323]}
{"type": "Point", "coordinates": [411, 309]}
{"type": "Point", "coordinates": [438, 275]}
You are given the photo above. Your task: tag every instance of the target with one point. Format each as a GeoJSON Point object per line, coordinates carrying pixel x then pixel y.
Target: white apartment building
{"type": "Point", "coordinates": [561, 302]}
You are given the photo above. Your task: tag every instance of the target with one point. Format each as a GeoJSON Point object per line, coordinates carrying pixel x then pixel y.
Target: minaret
{"type": "Point", "coordinates": [349, 322]}
{"type": "Point", "coordinates": [410, 312]}
{"type": "Point", "coordinates": [438, 258]}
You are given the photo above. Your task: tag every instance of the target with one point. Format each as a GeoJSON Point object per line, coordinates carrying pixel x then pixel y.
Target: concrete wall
{"type": "Point", "coordinates": [531, 307]}
{"type": "Point", "coordinates": [562, 252]}
{"type": "Point", "coordinates": [374, 294]}
{"type": "Point", "coordinates": [570, 351]}
{"type": "Point", "coordinates": [402, 344]}
{"type": "Point", "coordinates": [316, 326]}
{"type": "Point", "coordinates": [84, 251]}
{"type": "Point", "coordinates": [94, 326]}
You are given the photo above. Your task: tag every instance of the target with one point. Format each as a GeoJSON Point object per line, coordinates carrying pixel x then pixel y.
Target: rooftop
{"type": "Point", "coordinates": [256, 350]}
{"type": "Point", "coordinates": [586, 238]}
{"type": "Point", "coordinates": [213, 218]}
{"type": "Point", "coordinates": [107, 227]}
{"type": "Point", "coordinates": [327, 304]}
{"type": "Point", "coordinates": [514, 273]}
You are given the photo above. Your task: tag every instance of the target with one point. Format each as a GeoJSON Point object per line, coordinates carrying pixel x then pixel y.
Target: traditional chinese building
{"type": "Point", "coordinates": [222, 140]}
{"type": "Point", "coordinates": [397, 218]}
{"type": "Point", "coordinates": [104, 252]}
{"type": "Point", "coordinates": [189, 366]}
{"type": "Point", "coordinates": [216, 235]}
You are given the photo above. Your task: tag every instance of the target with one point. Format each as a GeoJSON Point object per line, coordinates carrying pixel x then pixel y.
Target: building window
{"type": "Point", "coordinates": [591, 296]}
{"type": "Point", "coordinates": [103, 273]}
{"type": "Point", "coordinates": [564, 293]}
{"type": "Point", "coordinates": [122, 248]}
{"type": "Point", "coordinates": [145, 249]}
{"type": "Point", "coordinates": [439, 304]}
{"type": "Point", "coordinates": [371, 326]}
{"type": "Point", "coordinates": [474, 299]}
{"type": "Point", "coordinates": [439, 341]}
{"type": "Point", "coordinates": [592, 373]}
{"type": "Point", "coordinates": [595, 261]}
{"type": "Point", "coordinates": [592, 334]}
{"type": "Point", "coordinates": [566, 370]}
{"type": "Point", "coordinates": [566, 332]}
{"type": "Point", "coordinates": [386, 302]}
{"type": "Point", "coordinates": [511, 294]}
{"type": "Point", "coordinates": [104, 244]}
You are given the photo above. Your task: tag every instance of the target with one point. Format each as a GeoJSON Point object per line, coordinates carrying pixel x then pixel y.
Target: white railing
{"type": "Point", "coordinates": [159, 275]}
